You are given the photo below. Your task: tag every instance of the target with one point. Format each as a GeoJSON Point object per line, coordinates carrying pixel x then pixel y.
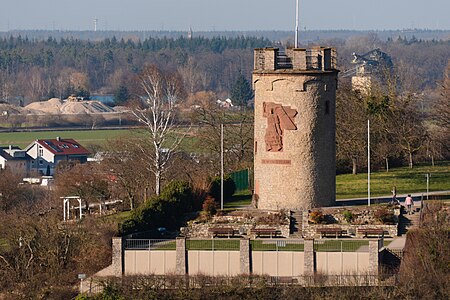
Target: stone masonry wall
{"type": "Point", "coordinates": [302, 174]}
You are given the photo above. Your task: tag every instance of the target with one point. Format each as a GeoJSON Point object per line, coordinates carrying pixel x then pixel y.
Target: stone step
{"type": "Point", "coordinates": [296, 224]}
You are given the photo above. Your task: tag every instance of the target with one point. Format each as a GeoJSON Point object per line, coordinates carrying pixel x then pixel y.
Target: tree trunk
{"type": "Point", "coordinates": [410, 160]}
{"type": "Point", "coordinates": [387, 164]}
{"type": "Point", "coordinates": [354, 166]}
{"type": "Point", "coordinates": [432, 160]}
{"type": "Point", "coordinates": [157, 182]}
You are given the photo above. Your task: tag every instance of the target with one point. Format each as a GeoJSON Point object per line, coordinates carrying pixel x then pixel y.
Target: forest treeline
{"type": "Point", "coordinates": [40, 69]}
{"type": "Point", "coordinates": [34, 70]}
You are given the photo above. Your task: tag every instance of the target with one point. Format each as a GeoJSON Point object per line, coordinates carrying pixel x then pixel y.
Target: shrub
{"type": "Point", "coordinates": [316, 217]}
{"type": "Point", "coordinates": [165, 210]}
{"type": "Point", "coordinates": [229, 187]}
{"type": "Point", "coordinates": [348, 216]}
{"type": "Point", "coordinates": [209, 206]}
{"type": "Point", "coordinates": [385, 216]}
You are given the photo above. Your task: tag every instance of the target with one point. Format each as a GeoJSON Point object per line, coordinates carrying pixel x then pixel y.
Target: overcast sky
{"type": "Point", "coordinates": [210, 15]}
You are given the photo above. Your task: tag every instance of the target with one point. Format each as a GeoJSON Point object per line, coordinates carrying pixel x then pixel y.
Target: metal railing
{"type": "Point", "coordinates": [213, 245]}
{"type": "Point", "coordinates": [163, 282]}
{"type": "Point", "coordinates": [277, 245]}
{"type": "Point", "coordinates": [341, 245]}
{"type": "Point", "coordinates": [149, 244]}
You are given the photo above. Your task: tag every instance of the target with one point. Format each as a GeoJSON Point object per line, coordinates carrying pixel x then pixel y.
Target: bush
{"type": "Point", "coordinates": [348, 216]}
{"type": "Point", "coordinates": [316, 217]}
{"type": "Point", "coordinates": [209, 206]}
{"type": "Point", "coordinates": [229, 187]}
{"type": "Point", "coordinates": [385, 216]}
{"type": "Point", "coordinates": [165, 210]}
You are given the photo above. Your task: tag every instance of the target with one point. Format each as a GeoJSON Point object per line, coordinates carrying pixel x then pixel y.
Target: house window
{"type": "Point", "coordinates": [41, 162]}
{"type": "Point", "coordinates": [40, 151]}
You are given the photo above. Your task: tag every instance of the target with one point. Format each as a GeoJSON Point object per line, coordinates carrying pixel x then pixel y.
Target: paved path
{"type": "Point", "coordinates": [386, 199]}
{"type": "Point", "coordinates": [398, 243]}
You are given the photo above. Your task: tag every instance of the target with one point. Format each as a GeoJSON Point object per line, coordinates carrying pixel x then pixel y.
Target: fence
{"type": "Point", "coordinates": [341, 246]}
{"type": "Point", "coordinates": [213, 245]}
{"type": "Point", "coordinates": [163, 282]}
{"type": "Point", "coordinates": [241, 180]}
{"type": "Point", "coordinates": [277, 245]}
{"type": "Point", "coordinates": [149, 244]}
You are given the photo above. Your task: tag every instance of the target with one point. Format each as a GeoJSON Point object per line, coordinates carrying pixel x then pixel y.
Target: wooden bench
{"type": "Point", "coordinates": [272, 232]}
{"type": "Point", "coordinates": [216, 231]}
{"type": "Point", "coordinates": [336, 231]}
{"type": "Point", "coordinates": [371, 232]}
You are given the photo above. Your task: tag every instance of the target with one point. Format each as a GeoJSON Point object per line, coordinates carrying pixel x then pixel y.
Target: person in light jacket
{"type": "Point", "coordinates": [409, 203]}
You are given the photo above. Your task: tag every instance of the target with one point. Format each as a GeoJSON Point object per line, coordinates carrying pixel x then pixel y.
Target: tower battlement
{"type": "Point", "coordinates": [295, 59]}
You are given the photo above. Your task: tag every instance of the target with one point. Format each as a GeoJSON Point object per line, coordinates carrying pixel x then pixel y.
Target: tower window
{"type": "Point", "coordinates": [327, 107]}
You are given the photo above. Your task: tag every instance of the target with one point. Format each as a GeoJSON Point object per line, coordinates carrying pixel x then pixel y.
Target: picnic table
{"type": "Point", "coordinates": [336, 231]}
{"type": "Point", "coordinates": [216, 231]}
{"type": "Point", "coordinates": [371, 232]}
{"type": "Point", "coordinates": [264, 231]}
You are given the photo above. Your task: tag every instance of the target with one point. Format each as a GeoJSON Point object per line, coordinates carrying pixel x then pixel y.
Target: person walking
{"type": "Point", "coordinates": [409, 203]}
{"type": "Point", "coordinates": [394, 196]}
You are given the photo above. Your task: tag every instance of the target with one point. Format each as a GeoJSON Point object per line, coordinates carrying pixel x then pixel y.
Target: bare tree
{"type": "Point", "coordinates": [351, 132]}
{"type": "Point", "coordinates": [160, 91]}
{"type": "Point", "coordinates": [127, 159]}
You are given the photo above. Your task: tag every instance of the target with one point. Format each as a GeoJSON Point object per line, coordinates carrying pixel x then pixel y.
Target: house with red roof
{"type": "Point", "coordinates": [47, 153]}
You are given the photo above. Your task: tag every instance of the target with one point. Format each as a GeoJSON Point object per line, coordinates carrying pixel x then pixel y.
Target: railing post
{"type": "Point", "coordinates": [181, 256]}
{"type": "Point", "coordinates": [374, 256]}
{"type": "Point", "coordinates": [117, 256]}
{"type": "Point", "coordinates": [245, 256]}
{"type": "Point", "coordinates": [309, 264]}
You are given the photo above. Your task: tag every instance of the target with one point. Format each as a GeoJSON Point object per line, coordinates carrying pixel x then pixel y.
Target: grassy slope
{"type": "Point", "coordinates": [406, 180]}
{"type": "Point", "coordinates": [353, 186]}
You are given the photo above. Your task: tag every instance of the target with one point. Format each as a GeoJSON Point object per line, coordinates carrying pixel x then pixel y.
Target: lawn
{"type": "Point", "coordinates": [354, 186]}
{"type": "Point", "coordinates": [84, 137]}
{"type": "Point", "coordinates": [406, 181]}
{"type": "Point", "coordinates": [239, 199]}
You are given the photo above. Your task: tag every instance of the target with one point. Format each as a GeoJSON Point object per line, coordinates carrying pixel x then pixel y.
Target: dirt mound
{"type": "Point", "coordinates": [51, 106]}
{"type": "Point", "coordinates": [8, 109]}
{"type": "Point", "coordinates": [57, 106]}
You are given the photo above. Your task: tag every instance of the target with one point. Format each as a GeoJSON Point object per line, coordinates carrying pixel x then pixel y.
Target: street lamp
{"type": "Point", "coordinates": [428, 175]}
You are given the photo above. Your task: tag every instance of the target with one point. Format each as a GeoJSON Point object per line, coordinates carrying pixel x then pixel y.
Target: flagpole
{"type": "Point", "coordinates": [368, 162]}
{"type": "Point", "coordinates": [221, 166]}
{"type": "Point", "coordinates": [297, 42]}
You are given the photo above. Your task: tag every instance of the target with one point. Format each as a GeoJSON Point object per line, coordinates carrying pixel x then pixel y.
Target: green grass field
{"type": "Point", "coordinates": [354, 186]}
{"type": "Point", "coordinates": [404, 179]}
{"type": "Point", "coordinates": [84, 137]}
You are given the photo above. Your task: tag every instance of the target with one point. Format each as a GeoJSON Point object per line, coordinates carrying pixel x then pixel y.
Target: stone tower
{"type": "Point", "coordinates": [295, 124]}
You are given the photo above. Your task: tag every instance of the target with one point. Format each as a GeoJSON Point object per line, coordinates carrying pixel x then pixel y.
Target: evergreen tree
{"type": "Point", "coordinates": [241, 92]}
{"type": "Point", "coordinates": [121, 95]}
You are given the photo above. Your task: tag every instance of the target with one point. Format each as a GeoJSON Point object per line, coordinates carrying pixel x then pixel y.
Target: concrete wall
{"type": "Point", "coordinates": [214, 263]}
{"type": "Point", "coordinates": [245, 261]}
{"type": "Point", "coordinates": [342, 263]}
{"type": "Point", "coordinates": [281, 263]}
{"type": "Point", "coordinates": [149, 262]}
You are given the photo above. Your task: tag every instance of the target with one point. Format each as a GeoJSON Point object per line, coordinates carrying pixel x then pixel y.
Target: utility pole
{"type": "Point", "coordinates": [297, 41]}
